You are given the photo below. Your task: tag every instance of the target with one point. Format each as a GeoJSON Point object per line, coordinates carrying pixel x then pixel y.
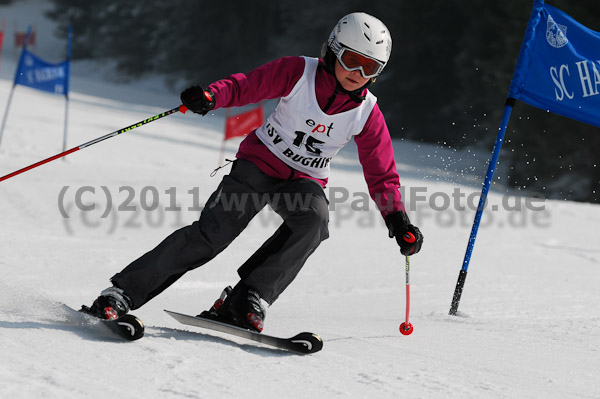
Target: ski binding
{"type": "Point", "coordinates": [127, 326]}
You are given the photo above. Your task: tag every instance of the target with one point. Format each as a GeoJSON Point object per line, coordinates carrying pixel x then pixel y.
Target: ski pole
{"type": "Point", "coordinates": [406, 328]}
{"type": "Point", "coordinates": [180, 108]}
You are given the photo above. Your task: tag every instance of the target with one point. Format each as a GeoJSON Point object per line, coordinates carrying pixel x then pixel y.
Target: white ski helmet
{"type": "Point", "coordinates": [363, 34]}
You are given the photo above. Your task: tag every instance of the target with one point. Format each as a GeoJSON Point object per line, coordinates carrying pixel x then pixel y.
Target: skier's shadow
{"type": "Point", "coordinates": [174, 333]}
{"type": "Point", "coordinates": [94, 331]}
{"type": "Point", "coordinates": [88, 331]}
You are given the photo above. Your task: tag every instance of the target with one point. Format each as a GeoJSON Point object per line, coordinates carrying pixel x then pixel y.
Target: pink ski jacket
{"type": "Point", "coordinates": [277, 79]}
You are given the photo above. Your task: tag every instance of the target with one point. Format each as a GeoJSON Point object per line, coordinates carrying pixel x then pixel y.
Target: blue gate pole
{"type": "Point", "coordinates": [482, 200]}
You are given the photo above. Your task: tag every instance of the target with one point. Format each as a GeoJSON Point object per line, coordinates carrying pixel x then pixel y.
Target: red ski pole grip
{"type": "Point", "coordinates": [183, 109]}
{"type": "Point", "coordinates": [409, 237]}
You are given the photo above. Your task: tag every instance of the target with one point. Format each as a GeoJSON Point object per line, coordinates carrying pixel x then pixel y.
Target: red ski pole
{"type": "Point", "coordinates": [180, 108]}
{"type": "Point", "coordinates": [406, 328]}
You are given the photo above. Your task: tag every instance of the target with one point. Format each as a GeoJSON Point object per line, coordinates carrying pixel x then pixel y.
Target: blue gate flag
{"type": "Point", "coordinates": [558, 69]}
{"type": "Point", "coordinates": [39, 74]}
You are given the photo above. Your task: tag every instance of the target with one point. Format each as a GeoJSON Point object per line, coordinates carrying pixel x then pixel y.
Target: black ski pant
{"type": "Point", "coordinates": [241, 195]}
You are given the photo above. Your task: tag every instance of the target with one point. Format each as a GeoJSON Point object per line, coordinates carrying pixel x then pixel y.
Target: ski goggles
{"type": "Point", "coordinates": [352, 61]}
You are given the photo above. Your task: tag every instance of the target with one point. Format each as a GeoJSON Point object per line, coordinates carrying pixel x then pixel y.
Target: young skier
{"type": "Point", "coordinates": [323, 104]}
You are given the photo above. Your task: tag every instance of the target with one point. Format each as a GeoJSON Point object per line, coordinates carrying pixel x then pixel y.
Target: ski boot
{"type": "Point", "coordinates": [110, 305]}
{"type": "Point", "coordinates": [240, 306]}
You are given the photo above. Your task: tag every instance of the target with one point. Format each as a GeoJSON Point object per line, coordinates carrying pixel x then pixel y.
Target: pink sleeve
{"type": "Point", "coordinates": [272, 80]}
{"type": "Point", "coordinates": [376, 155]}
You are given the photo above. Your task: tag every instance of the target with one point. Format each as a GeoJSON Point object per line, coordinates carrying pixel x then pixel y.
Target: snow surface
{"type": "Point", "coordinates": [529, 315]}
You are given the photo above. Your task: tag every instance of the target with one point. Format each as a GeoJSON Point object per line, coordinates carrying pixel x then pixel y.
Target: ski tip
{"type": "Point", "coordinates": [307, 342]}
{"type": "Point", "coordinates": [131, 327]}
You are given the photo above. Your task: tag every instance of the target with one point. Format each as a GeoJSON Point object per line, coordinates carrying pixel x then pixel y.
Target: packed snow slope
{"type": "Point", "coordinates": [529, 316]}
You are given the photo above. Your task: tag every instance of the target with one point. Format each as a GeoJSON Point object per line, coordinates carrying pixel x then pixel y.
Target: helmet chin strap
{"type": "Point", "coordinates": [355, 95]}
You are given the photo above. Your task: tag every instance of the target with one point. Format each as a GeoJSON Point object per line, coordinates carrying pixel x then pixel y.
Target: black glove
{"type": "Point", "coordinates": [198, 100]}
{"type": "Point", "coordinates": [408, 237]}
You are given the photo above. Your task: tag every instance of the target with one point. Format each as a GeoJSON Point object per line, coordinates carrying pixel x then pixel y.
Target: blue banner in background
{"type": "Point", "coordinates": [559, 66]}
{"type": "Point", "coordinates": [36, 73]}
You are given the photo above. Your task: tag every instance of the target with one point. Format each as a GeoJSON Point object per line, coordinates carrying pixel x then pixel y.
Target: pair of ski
{"type": "Point", "coordinates": [131, 328]}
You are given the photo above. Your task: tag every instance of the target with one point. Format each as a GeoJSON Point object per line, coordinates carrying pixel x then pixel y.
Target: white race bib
{"type": "Point", "coordinates": [304, 137]}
